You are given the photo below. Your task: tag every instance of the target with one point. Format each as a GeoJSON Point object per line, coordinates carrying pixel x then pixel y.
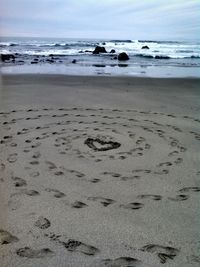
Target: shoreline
{"type": "Point", "coordinates": [103, 69]}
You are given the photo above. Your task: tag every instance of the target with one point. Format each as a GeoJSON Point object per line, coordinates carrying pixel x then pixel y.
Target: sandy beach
{"type": "Point", "coordinates": [99, 171]}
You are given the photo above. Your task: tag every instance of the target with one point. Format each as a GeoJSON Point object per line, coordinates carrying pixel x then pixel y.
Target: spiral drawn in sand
{"type": "Point", "coordinates": [97, 135]}
{"type": "Point", "coordinates": [55, 146]}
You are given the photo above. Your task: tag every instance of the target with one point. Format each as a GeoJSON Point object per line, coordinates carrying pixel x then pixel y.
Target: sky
{"type": "Point", "coordinates": [101, 19]}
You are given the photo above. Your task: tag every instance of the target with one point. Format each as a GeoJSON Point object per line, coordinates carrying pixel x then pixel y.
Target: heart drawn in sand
{"type": "Point", "coordinates": [98, 144]}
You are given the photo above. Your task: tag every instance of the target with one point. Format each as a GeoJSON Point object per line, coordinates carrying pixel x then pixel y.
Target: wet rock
{"type": "Point", "coordinates": [122, 65]}
{"type": "Point", "coordinates": [99, 49]}
{"type": "Point", "coordinates": [50, 60]}
{"type": "Point", "coordinates": [112, 51]}
{"type": "Point", "coordinates": [162, 57]}
{"type": "Point", "coordinates": [123, 56]}
{"type": "Point", "coordinates": [145, 47]}
{"type": "Point", "coordinates": [7, 57]}
{"type": "Point", "coordinates": [74, 61]}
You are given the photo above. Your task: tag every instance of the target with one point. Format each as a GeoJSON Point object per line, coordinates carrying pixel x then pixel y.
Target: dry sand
{"type": "Point", "coordinates": [99, 171]}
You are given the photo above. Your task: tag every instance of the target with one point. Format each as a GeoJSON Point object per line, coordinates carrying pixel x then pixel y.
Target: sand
{"type": "Point", "coordinates": [99, 171]}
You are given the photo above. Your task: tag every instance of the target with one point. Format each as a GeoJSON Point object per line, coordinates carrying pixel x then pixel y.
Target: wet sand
{"type": "Point", "coordinates": [99, 171]}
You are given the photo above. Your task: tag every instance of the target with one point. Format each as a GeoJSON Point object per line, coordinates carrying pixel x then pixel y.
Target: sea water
{"type": "Point", "coordinates": [75, 57]}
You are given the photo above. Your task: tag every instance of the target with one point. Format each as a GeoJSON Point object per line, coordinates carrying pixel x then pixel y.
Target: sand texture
{"type": "Point", "coordinates": [99, 172]}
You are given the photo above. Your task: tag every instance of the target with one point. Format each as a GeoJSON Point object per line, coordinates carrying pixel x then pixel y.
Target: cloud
{"type": "Point", "coordinates": [129, 19]}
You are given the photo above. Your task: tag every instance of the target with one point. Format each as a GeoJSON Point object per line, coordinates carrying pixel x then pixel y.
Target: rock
{"type": "Point", "coordinates": [115, 57]}
{"type": "Point", "coordinates": [145, 47]}
{"type": "Point", "coordinates": [99, 65]}
{"type": "Point", "coordinates": [99, 49]}
{"type": "Point", "coordinates": [122, 65]}
{"type": "Point", "coordinates": [103, 43]}
{"type": "Point", "coordinates": [112, 51]}
{"type": "Point", "coordinates": [123, 56]}
{"type": "Point", "coordinates": [5, 57]}
{"type": "Point", "coordinates": [34, 62]}
{"type": "Point", "coordinates": [88, 51]}
{"type": "Point", "coordinates": [50, 60]}
{"type": "Point", "coordinates": [162, 57]}
{"type": "Point", "coordinates": [74, 61]}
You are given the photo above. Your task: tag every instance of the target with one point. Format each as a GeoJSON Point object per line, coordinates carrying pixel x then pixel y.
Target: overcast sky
{"type": "Point", "coordinates": [119, 19]}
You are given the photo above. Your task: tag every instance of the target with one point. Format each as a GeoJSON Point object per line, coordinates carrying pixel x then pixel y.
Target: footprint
{"type": "Point", "coordinates": [13, 144]}
{"type": "Point", "coordinates": [162, 172]}
{"type": "Point", "coordinates": [113, 174]}
{"type": "Point", "coordinates": [149, 196]}
{"type": "Point", "coordinates": [178, 161]}
{"type": "Point", "coordinates": [78, 205]}
{"type": "Point", "coordinates": [121, 262]}
{"type": "Point", "coordinates": [147, 146]}
{"type": "Point", "coordinates": [140, 170]}
{"type": "Point", "coordinates": [129, 178]}
{"type": "Point", "coordinates": [56, 193]}
{"type": "Point", "coordinates": [14, 204]}
{"type": "Point", "coordinates": [7, 238]}
{"type": "Point", "coordinates": [190, 189]}
{"type": "Point", "coordinates": [12, 158]}
{"type": "Point", "coordinates": [27, 192]}
{"type": "Point", "coordinates": [164, 253]}
{"type": "Point", "coordinates": [36, 155]}
{"type": "Point", "coordinates": [2, 166]}
{"type": "Point", "coordinates": [42, 223]}
{"type": "Point", "coordinates": [7, 137]}
{"type": "Point", "coordinates": [165, 164]}
{"type": "Point", "coordinates": [27, 252]}
{"type": "Point", "coordinates": [179, 198]}
{"type": "Point", "coordinates": [193, 258]}
{"type": "Point", "coordinates": [104, 201]}
{"type": "Point", "coordinates": [133, 206]}
{"type": "Point", "coordinates": [173, 153]}
{"type": "Point", "coordinates": [19, 182]}
{"type": "Point", "coordinates": [77, 246]}
{"type": "Point", "coordinates": [77, 173]}
{"type": "Point", "coordinates": [182, 149]}
{"type": "Point", "coordinates": [59, 173]}
{"type": "Point", "coordinates": [140, 140]}
{"type": "Point", "coordinates": [34, 174]}
{"type": "Point", "coordinates": [174, 143]}
{"type": "Point", "coordinates": [51, 165]}
{"type": "Point", "coordinates": [95, 180]}
{"type": "Point", "coordinates": [30, 192]}
{"type": "Point", "coordinates": [34, 162]}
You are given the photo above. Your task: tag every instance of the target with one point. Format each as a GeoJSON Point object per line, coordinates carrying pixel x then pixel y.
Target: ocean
{"type": "Point", "coordinates": [74, 56]}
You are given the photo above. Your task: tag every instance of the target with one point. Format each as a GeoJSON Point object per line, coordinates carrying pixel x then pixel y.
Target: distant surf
{"type": "Point", "coordinates": [145, 53]}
